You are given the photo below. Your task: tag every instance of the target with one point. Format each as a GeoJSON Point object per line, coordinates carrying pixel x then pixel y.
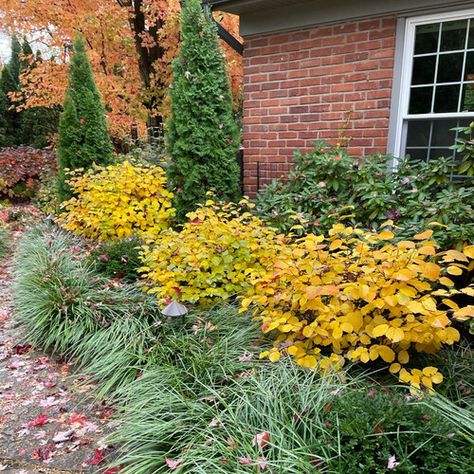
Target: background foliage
{"type": "Point", "coordinates": [22, 168]}
{"type": "Point", "coordinates": [131, 49]}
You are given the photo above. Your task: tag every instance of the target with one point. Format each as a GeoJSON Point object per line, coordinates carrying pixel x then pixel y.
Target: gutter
{"type": "Point", "coordinates": [225, 35]}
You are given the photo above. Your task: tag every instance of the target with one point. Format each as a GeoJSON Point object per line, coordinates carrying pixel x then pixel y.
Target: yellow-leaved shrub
{"type": "Point", "coordinates": [218, 254]}
{"type": "Point", "coordinates": [117, 201]}
{"type": "Point", "coordinates": [359, 296]}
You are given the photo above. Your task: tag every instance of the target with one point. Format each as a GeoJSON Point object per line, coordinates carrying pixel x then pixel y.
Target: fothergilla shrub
{"type": "Point", "coordinates": [360, 296]}
{"type": "Point", "coordinates": [118, 201]}
{"type": "Point", "coordinates": [21, 169]}
{"type": "Point", "coordinates": [219, 252]}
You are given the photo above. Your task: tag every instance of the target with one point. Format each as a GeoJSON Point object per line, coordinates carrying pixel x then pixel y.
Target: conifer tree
{"type": "Point", "coordinates": [83, 134]}
{"type": "Point", "coordinates": [202, 135]}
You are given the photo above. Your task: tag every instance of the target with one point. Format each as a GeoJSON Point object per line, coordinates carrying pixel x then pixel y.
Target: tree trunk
{"type": "Point", "coordinates": [147, 57]}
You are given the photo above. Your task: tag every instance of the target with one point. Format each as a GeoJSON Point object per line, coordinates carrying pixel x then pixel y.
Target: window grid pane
{"type": "Point", "coordinates": [432, 138]}
{"type": "Point", "coordinates": [442, 90]}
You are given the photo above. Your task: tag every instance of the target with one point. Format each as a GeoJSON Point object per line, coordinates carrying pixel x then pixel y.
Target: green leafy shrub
{"type": "Point", "coordinates": [202, 135]}
{"type": "Point", "coordinates": [118, 258]}
{"type": "Point", "coordinates": [327, 185]}
{"type": "Point", "coordinates": [465, 146]}
{"type": "Point", "coordinates": [46, 196]}
{"type": "Point", "coordinates": [83, 135]}
{"type": "Point", "coordinates": [376, 425]}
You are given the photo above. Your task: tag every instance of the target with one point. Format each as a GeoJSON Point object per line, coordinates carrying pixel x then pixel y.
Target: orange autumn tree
{"type": "Point", "coordinates": [130, 43]}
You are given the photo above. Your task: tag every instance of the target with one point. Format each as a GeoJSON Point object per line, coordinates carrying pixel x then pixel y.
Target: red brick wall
{"type": "Point", "coordinates": [303, 86]}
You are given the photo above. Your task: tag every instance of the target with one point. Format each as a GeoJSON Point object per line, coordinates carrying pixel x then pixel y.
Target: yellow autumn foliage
{"type": "Point", "coordinates": [117, 201]}
{"type": "Point", "coordinates": [358, 296]}
{"type": "Point", "coordinates": [219, 253]}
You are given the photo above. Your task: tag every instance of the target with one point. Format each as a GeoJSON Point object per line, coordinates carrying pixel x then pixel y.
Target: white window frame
{"type": "Point", "coordinates": [406, 76]}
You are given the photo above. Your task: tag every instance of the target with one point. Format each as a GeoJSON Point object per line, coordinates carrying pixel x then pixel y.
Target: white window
{"type": "Point", "coordinates": [437, 86]}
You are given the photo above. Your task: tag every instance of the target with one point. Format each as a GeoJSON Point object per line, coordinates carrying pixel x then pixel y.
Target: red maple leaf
{"type": "Point", "coordinates": [112, 470]}
{"type": "Point", "coordinates": [98, 457]}
{"type": "Point", "coordinates": [38, 421]}
{"type": "Point", "coordinates": [107, 414]}
{"type": "Point", "coordinates": [78, 418]}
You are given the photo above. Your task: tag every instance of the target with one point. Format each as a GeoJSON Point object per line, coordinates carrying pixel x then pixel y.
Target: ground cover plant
{"type": "Point", "coordinates": [194, 396]}
{"type": "Point", "coordinates": [21, 170]}
{"type": "Point", "coordinates": [327, 185]}
{"type": "Point", "coordinates": [118, 201]}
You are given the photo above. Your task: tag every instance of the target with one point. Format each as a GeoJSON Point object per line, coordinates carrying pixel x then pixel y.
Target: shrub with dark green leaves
{"type": "Point", "coordinates": [378, 429]}
{"type": "Point", "coordinates": [465, 147]}
{"type": "Point", "coordinates": [117, 258]}
{"type": "Point", "coordinates": [327, 185]}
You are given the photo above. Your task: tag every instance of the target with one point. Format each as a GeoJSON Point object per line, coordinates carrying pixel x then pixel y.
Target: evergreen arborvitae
{"type": "Point", "coordinates": [202, 136]}
{"type": "Point", "coordinates": [83, 134]}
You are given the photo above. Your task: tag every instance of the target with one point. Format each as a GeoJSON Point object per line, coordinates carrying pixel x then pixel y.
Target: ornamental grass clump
{"type": "Point", "coordinates": [118, 201]}
{"type": "Point", "coordinates": [219, 252]}
{"type": "Point", "coordinates": [358, 296]}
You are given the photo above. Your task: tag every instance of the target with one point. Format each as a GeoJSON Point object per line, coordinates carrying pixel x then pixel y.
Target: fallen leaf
{"type": "Point", "coordinates": [392, 462]}
{"type": "Point", "coordinates": [39, 421]}
{"type": "Point", "coordinates": [21, 349]}
{"type": "Point", "coordinates": [63, 436]}
{"type": "Point", "coordinates": [246, 357]}
{"type": "Point", "coordinates": [261, 439]}
{"type": "Point", "coordinates": [43, 453]}
{"type": "Point", "coordinates": [262, 463]}
{"type": "Point", "coordinates": [98, 458]}
{"type": "Point", "coordinates": [172, 464]}
{"type": "Point", "coordinates": [78, 418]}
